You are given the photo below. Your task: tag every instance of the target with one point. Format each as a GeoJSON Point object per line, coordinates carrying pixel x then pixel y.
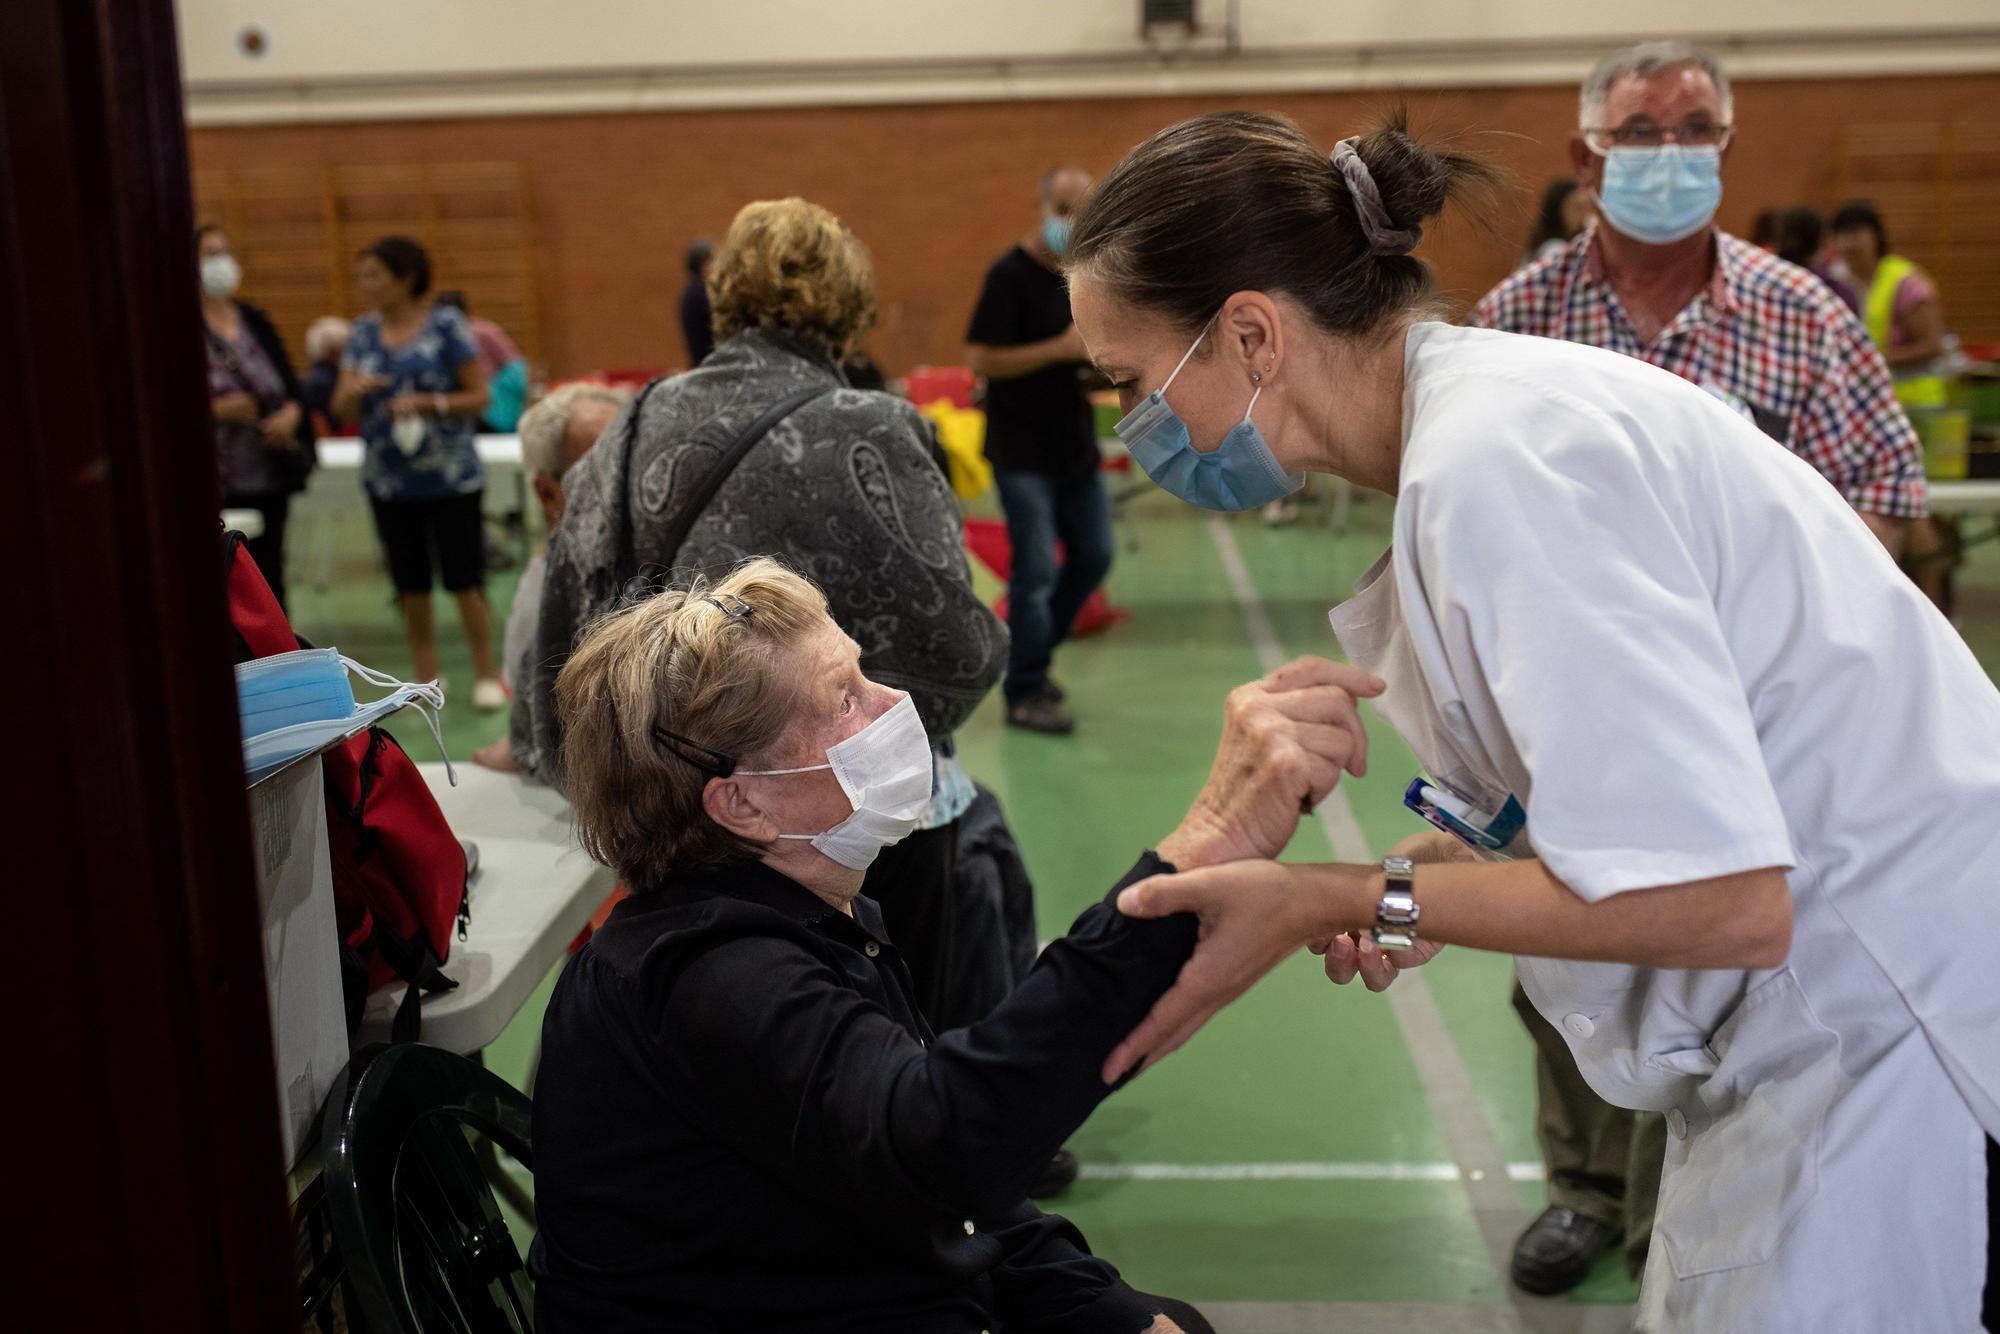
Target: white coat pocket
{"type": "Point", "coordinates": [1743, 1152]}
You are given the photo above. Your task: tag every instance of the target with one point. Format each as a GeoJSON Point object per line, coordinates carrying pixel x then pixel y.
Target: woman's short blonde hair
{"type": "Point", "coordinates": [791, 266]}
{"type": "Point", "coordinates": [690, 661]}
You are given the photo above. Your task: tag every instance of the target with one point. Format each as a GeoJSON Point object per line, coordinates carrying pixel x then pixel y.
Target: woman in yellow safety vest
{"type": "Point", "coordinates": [1899, 302]}
{"type": "Point", "coordinates": [1905, 319]}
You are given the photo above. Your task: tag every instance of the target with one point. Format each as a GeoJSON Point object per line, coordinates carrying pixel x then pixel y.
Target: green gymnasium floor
{"type": "Point", "coordinates": [1317, 1158]}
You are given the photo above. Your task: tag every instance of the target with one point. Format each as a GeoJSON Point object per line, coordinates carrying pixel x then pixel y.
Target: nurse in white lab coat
{"type": "Point", "coordinates": [1758, 886]}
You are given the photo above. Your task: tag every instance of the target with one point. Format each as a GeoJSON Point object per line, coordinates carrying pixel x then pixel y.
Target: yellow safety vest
{"type": "Point", "coordinates": [1915, 391]}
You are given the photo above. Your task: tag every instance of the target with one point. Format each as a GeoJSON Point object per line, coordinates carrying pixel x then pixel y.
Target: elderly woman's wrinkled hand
{"type": "Point", "coordinates": [1285, 741]}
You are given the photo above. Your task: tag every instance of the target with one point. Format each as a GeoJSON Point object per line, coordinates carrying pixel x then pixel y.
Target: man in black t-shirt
{"type": "Point", "coordinates": [695, 331]}
{"type": "Point", "coordinates": [1042, 443]}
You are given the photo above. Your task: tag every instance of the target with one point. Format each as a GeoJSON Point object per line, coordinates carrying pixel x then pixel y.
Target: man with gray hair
{"type": "Point", "coordinates": [326, 339]}
{"type": "Point", "coordinates": [555, 433]}
{"type": "Point", "coordinates": [1655, 278]}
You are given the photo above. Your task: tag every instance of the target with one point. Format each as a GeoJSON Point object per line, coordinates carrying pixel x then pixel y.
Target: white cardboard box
{"type": "Point", "coordinates": [301, 951]}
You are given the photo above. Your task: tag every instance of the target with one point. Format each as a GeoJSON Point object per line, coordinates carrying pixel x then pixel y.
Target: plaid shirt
{"type": "Point", "coordinates": [1768, 334]}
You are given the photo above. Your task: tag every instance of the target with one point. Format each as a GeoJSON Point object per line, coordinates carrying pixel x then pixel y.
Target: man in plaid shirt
{"type": "Point", "coordinates": [1712, 308]}
{"type": "Point", "coordinates": [1654, 278]}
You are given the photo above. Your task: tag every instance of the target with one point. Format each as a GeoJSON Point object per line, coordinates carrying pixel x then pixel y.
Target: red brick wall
{"type": "Point", "coordinates": [938, 191]}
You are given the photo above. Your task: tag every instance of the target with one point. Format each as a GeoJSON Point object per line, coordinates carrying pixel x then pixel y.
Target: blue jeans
{"type": "Point", "coordinates": [1042, 600]}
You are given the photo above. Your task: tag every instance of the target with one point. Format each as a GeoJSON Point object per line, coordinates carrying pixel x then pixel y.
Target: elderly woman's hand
{"type": "Point", "coordinates": [1285, 741]}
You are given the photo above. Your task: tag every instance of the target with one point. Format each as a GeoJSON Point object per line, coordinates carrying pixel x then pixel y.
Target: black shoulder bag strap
{"type": "Point", "coordinates": [703, 492]}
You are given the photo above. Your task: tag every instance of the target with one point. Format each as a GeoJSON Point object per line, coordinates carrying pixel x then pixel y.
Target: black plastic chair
{"type": "Point", "coordinates": [426, 1247]}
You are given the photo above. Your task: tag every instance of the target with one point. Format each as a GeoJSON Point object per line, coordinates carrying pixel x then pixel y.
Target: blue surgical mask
{"type": "Point", "coordinates": [292, 704]}
{"type": "Point", "coordinates": [1055, 234]}
{"type": "Point", "coordinates": [1660, 195]}
{"type": "Point", "coordinates": [1239, 474]}
{"type": "Point", "coordinates": [305, 686]}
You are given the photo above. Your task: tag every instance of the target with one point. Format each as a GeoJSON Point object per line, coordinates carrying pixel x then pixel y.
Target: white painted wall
{"type": "Point", "coordinates": [348, 59]}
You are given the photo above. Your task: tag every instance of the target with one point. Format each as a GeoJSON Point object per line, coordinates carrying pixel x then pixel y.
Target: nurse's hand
{"type": "Point", "coordinates": [1357, 954]}
{"type": "Point", "coordinates": [1354, 953]}
{"type": "Point", "coordinates": [1286, 739]}
{"type": "Point", "coordinates": [1252, 916]}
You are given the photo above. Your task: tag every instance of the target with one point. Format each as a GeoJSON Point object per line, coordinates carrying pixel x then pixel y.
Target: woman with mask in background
{"type": "Point", "coordinates": [1698, 754]}
{"type": "Point", "coordinates": [742, 1119]}
{"type": "Point", "coordinates": [411, 378]}
{"type": "Point", "coordinates": [263, 435]}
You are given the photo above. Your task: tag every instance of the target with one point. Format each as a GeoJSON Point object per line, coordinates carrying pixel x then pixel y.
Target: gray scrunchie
{"type": "Point", "coordinates": [1384, 237]}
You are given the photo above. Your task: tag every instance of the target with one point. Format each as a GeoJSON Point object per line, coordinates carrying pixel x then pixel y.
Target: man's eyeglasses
{"type": "Point", "coordinates": [1645, 134]}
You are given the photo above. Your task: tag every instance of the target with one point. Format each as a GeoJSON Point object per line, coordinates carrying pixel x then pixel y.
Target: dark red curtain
{"type": "Point", "coordinates": [147, 1190]}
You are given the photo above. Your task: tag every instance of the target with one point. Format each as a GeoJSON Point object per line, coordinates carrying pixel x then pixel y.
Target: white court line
{"type": "Point", "coordinates": [1241, 1171]}
{"type": "Point", "coordinates": [1447, 1084]}
{"type": "Point", "coordinates": [1292, 1171]}
{"type": "Point", "coordinates": [1336, 813]}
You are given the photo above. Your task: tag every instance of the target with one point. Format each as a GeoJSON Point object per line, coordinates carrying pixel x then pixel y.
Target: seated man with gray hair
{"type": "Point", "coordinates": [326, 339]}
{"type": "Point", "coordinates": [555, 433]}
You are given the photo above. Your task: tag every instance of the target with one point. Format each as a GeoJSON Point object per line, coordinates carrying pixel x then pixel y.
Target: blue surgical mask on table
{"type": "Point", "coordinates": [1661, 194]}
{"type": "Point", "coordinates": [885, 770]}
{"type": "Point", "coordinates": [1055, 234]}
{"type": "Point", "coordinates": [291, 704]}
{"type": "Point", "coordinates": [1239, 474]}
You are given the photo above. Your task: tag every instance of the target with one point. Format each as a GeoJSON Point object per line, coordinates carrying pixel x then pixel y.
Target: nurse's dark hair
{"type": "Point", "coordinates": [1239, 201]}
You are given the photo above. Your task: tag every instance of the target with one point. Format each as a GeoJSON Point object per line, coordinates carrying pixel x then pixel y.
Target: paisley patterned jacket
{"type": "Point", "coordinates": [845, 491]}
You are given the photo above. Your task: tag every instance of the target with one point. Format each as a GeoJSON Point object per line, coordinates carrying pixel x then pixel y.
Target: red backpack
{"type": "Point", "coordinates": [398, 871]}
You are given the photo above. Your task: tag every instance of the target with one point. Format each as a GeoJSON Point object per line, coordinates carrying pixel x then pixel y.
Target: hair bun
{"type": "Point", "coordinates": [1413, 182]}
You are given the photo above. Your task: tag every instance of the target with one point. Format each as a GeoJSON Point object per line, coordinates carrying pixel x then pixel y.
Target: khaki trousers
{"type": "Point", "coordinates": [1603, 1161]}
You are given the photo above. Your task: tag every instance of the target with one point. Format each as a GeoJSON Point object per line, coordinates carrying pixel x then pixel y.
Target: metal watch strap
{"type": "Point", "coordinates": [1397, 913]}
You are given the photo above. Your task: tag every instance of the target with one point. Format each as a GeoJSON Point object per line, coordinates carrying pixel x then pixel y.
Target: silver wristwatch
{"type": "Point", "coordinates": [1396, 915]}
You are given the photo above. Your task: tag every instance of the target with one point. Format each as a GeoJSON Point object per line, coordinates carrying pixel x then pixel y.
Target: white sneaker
{"type": "Point", "coordinates": [489, 696]}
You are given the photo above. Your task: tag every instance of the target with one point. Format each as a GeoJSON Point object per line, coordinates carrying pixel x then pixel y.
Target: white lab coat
{"type": "Point", "coordinates": [1686, 656]}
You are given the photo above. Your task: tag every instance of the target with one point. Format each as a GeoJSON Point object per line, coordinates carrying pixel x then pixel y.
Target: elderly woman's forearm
{"type": "Point", "coordinates": [1734, 921]}
{"type": "Point", "coordinates": [995, 1099]}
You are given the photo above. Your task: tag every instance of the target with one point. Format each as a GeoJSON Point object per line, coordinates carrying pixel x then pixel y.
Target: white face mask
{"type": "Point", "coordinates": [221, 276]}
{"type": "Point", "coordinates": [885, 770]}
{"type": "Point", "coordinates": [409, 432]}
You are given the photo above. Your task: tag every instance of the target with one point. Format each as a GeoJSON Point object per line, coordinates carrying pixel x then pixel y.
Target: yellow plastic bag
{"type": "Point", "coordinates": [962, 432]}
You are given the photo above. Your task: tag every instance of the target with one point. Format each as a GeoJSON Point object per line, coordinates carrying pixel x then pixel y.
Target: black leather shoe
{"type": "Point", "coordinates": [1038, 713]}
{"type": "Point", "coordinates": [1052, 692]}
{"type": "Point", "coordinates": [1057, 1177]}
{"type": "Point", "coordinates": [1558, 1249]}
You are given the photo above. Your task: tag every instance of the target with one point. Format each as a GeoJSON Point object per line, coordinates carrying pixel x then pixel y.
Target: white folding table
{"type": "Point", "coordinates": [534, 890]}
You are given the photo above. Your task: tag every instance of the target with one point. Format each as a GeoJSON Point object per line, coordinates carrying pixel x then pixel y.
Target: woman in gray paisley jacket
{"type": "Point", "coordinates": [845, 490]}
